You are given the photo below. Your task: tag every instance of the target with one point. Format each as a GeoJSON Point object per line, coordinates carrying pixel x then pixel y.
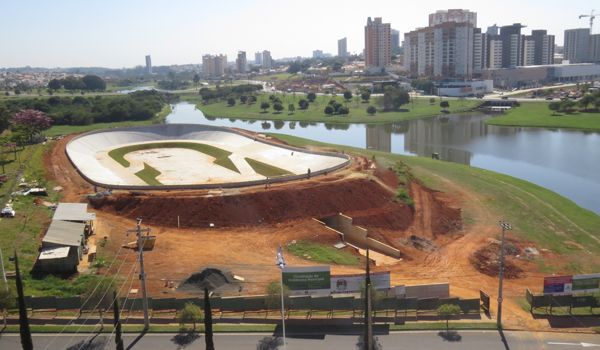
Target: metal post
{"type": "Point", "coordinates": [368, 306]}
{"type": "Point", "coordinates": [281, 263]}
{"type": "Point", "coordinates": [140, 243]}
{"type": "Point", "coordinates": [3, 271]}
{"type": "Point", "coordinates": [505, 227]}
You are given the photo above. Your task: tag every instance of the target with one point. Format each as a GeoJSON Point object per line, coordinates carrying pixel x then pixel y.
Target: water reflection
{"type": "Point", "coordinates": [563, 161]}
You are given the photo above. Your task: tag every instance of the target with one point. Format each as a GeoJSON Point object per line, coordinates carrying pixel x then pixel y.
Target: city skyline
{"type": "Point", "coordinates": [120, 35]}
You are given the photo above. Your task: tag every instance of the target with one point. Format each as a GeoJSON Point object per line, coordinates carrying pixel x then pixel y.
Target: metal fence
{"type": "Point", "coordinates": [549, 302]}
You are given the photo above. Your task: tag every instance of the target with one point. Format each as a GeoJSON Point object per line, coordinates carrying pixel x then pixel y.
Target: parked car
{"type": "Point", "coordinates": [8, 212]}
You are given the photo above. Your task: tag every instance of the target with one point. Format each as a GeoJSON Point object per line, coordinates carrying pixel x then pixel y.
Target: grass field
{"type": "Point", "coordinates": [417, 108]}
{"type": "Point", "coordinates": [149, 175]}
{"type": "Point", "coordinates": [221, 156]}
{"type": "Point", "coordinates": [538, 215]}
{"type": "Point", "coordinates": [70, 129]}
{"type": "Point", "coordinates": [322, 253]}
{"type": "Point", "coordinates": [537, 114]}
{"type": "Point", "coordinates": [266, 169]}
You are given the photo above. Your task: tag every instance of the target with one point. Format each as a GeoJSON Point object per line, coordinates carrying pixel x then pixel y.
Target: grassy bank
{"type": "Point", "coordinates": [541, 216]}
{"type": "Point", "coordinates": [537, 114]}
{"type": "Point", "coordinates": [58, 130]}
{"type": "Point", "coordinates": [322, 253]}
{"type": "Point", "coordinates": [417, 108]}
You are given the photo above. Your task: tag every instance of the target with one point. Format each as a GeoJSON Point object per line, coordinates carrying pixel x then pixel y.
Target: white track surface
{"type": "Point", "coordinates": [180, 166]}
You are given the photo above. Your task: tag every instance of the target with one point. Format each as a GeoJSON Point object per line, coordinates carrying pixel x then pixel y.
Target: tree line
{"type": "Point", "coordinates": [88, 82]}
{"type": "Point", "coordinates": [222, 92]}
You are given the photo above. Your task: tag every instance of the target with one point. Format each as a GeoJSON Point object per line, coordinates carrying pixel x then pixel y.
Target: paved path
{"type": "Point", "coordinates": [487, 340]}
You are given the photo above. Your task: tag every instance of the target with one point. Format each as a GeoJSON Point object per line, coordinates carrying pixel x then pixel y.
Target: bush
{"type": "Point", "coordinates": [371, 110]}
{"type": "Point", "coordinates": [231, 102]}
{"type": "Point", "coordinates": [278, 107]}
{"type": "Point", "coordinates": [303, 104]}
{"type": "Point", "coordinates": [329, 110]}
{"type": "Point", "coordinates": [311, 96]}
{"type": "Point", "coordinates": [190, 313]}
{"type": "Point", "coordinates": [273, 295]}
{"type": "Point", "coordinates": [343, 110]}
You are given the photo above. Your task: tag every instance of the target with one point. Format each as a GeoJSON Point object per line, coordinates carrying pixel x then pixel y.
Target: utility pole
{"type": "Point", "coordinates": [140, 246]}
{"type": "Point", "coordinates": [281, 264]}
{"type": "Point", "coordinates": [368, 322]}
{"type": "Point", "coordinates": [3, 271]}
{"type": "Point", "coordinates": [505, 227]}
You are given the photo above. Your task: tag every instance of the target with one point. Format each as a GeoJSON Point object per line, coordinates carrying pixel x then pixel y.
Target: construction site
{"type": "Point", "coordinates": [348, 199]}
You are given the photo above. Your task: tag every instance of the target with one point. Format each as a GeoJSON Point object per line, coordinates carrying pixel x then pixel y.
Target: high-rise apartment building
{"type": "Point", "coordinates": [512, 45]}
{"type": "Point", "coordinates": [444, 49]}
{"type": "Point", "coordinates": [453, 15]}
{"type": "Point", "coordinates": [494, 53]}
{"type": "Point", "coordinates": [595, 48]}
{"type": "Point", "coordinates": [241, 62]}
{"type": "Point", "coordinates": [480, 51]}
{"type": "Point", "coordinates": [267, 61]}
{"type": "Point", "coordinates": [395, 42]}
{"type": "Point", "coordinates": [258, 58]}
{"type": "Point", "coordinates": [342, 47]}
{"type": "Point", "coordinates": [214, 66]}
{"type": "Point", "coordinates": [318, 54]}
{"type": "Point", "coordinates": [148, 64]}
{"type": "Point", "coordinates": [577, 45]}
{"type": "Point", "coordinates": [378, 52]}
{"type": "Point", "coordinates": [543, 47]}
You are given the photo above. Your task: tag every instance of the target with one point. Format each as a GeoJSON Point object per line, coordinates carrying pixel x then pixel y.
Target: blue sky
{"type": "Point", "coordinates": [110, 33]}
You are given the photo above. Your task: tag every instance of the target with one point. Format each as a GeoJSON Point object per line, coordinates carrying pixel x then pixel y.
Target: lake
{"type": "Point", "coordinates": [564, 161]}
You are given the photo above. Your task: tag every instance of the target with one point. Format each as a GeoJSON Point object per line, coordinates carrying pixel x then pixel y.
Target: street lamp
{"type": "Point", "coordinates": [281, 264]}
{"type": "Point", "coordinates": [505, 227]}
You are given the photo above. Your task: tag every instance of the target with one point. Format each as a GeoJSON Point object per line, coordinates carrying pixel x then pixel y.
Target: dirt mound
{"type": "Point", "coordinates": [435, 211]}
{"type": "Point", "coordinates": [211, 278]}
{"type": "Point", "coordinates": [387, 176]}
{"type": "Point", "coordinates": [487, 259]}
{"type": "Point", "coordinates": [274, 205]}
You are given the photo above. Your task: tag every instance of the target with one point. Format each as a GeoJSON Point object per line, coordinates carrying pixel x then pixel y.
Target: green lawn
{"type": "Point", "coordinates": [537, 114]}
{"type": "Point", "coordinates": [149, 175]}
{"type": "Point", "coordinates": [322, 253]}
{"type": "Point", "coordinates": [58, 130]}
{"type": "Point", "coordinates": [266, 169]}
{"type": "Point", "coordinates": [221, 156]}
{"type": "Point", "coordinates": [538, 215]}
{"type": "Point", "coordinates": [417, 108]}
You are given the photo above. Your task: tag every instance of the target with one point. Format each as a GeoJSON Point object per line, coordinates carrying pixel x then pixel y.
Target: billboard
{"type": "Point", "coordinates": [586, 283]}
{"type": "Point", "coordinates": [308, 279]}
{"type": "Point", "coordinates": [353, 283]}
{"type": "Point", "coordinates": [557, 285]}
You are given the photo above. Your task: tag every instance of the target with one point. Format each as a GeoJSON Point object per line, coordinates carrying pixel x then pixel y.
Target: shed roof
{"type": "Point", "coordinates": [54, 253]}
{"type": "Point", "coordinates": [73, 212]}
{"type": "Point", "coordinates": [65, 233]}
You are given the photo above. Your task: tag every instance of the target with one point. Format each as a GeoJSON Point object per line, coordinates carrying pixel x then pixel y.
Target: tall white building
{"type": "Point", "coordinates": [241, 63]}
{"type": "Point", "coordinates": [577, 45]}
{"type": "Point", "coordinates": [495, 54]}
{"type": "Point", "coordinates": [267, 61]}
{"type": "Point", "coordinates": [258, 58]}
{"type": "Point", "coordinates": [213, 66]}
{"type": "Point", "coordinates": [342, 47]}
{"type": "Point", "coordinates": [148, 64]}
{"type": "Point", "coordinates": [378, 44]}
{"type": "Point", "coordinates": [528, 52]}
{"type": "Point", "coordinates": [453, 15]}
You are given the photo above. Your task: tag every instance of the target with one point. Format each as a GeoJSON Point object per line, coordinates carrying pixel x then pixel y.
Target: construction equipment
{"type": "Point", "coordinates": [592, 15]}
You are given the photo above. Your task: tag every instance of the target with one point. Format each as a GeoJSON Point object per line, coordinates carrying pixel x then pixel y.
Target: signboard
{"type": "Point", "coordinates": [557, 285]}
{"type": "Point", "coordinates": [586, 283]}
{"type": "Point", "coordinates": [305, 280]}
{"type": "Point", "coordinates": [354, 283]}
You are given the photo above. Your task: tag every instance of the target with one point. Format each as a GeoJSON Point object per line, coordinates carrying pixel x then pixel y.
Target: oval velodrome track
{"type": "Point", "coordinates": [182, 167]}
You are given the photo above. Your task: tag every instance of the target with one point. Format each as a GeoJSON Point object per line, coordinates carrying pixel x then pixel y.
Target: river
{"type": "Point", "coordinates": [564, 161]}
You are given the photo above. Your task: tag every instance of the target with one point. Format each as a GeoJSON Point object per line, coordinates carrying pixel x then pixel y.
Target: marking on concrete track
{"type": "Point", "coordinates": [585, 345]}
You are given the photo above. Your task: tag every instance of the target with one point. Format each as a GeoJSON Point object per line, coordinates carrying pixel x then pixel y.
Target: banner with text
{"type": "Point", "coordinates": [354, 283]}
{"type": "Point", "coordinates": [307, 280]}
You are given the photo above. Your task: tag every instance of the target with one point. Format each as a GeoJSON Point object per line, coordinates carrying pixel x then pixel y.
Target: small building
{"type": "Point", "coordinates": [469, 88]}
{"type": "Point", "coordinates": [62, 234]}
{"type": "Point", "coordinates": [75, 212]}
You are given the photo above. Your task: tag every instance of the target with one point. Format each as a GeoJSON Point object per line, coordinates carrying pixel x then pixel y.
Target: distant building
{"type": "Point", "coordinates": [532, 76]}
{"type": "Point", "coordinates": [342, 47]}
{"type": "Point", "coordinates": [453, 16]}
{"type": "Point", "coordinates": [378, 45]}
{"type": "Point", "coordinates": [595, 48]}
{"type": "Point", "coordinates": [258, 58]}
{"type": "Point", "coordinates": [267, 61]}
{"type": "Point", "coordinates": [543, 47]}
{"type": "Point", "coordinates": [241, 62]}
{"type": "Point", "coordinates": [214, 66]}
{"type": "Point", "coordinates": [577, 45]}
{"type": "Point", "coordinates": [395, 37]}
{"type": "Point", "coordinates": [318, 54]}
{"type": "Point", "coordinates": [148, 64]}
{"type": "Point", "coordinates": [512, 45]}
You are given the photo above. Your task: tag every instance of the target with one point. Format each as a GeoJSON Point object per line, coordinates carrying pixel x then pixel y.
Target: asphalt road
{"type": "Point", "coordinates": [487, 340]}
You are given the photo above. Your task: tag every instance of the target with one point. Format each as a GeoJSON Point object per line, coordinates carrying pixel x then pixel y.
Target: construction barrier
{"type": "Point", "coordinates": [549, 302]}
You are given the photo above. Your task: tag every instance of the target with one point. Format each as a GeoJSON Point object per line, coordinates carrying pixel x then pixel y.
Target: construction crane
{"type": "Point", "coordinates": [592, 15]}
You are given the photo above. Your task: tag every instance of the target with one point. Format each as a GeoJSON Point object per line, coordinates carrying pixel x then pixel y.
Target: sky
{"type": "Point", "coordinates": [119, 33]}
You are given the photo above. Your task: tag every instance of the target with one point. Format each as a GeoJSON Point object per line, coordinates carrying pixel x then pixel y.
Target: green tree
{"type": "Point", "coordinates": [586, 100]}
{"type": "Point", "coordinates": [446, 311]}
{"type": "Point", "coordinates": [303, 104]}
{"type": "Point", "coordinates": [371, 110]}
{"type": "Point", "coordinates": [278, 107]}
{"type": "Point", "coordinates": [54, 84]}
{"type": "Point", "coordinates": [7, 301]}
{"type": "Point", "coordinates": [554, 107]}
{"type": "Point", "coordinates": [394, 97]}
{"type": "Point", "coordinates": [208, 330]}
{"type": "Point", "coordinates": [243, 99]}
{"type": "Point", "coordinates": [291, 108]}
{"type": "Point", "coordinates": [329, 110]}
{"type": "Point", "coordinates": [444, 105]}
{"type": "Point", "coordinates": [231, 102]}
{"type": "Point", "coordinates": [252, 99]}
{"type": "Point", "coordinates": [432, 101]}
{"type": "Point", "coordinates": [196, 78]}
{"type": "Point", "coordinates": [31, 122]}
{"type": "Point", "coordinates": [343, 110]}
{"type": "Point", "coordinates": [347, 95]}
{"type": "Point", "coordinates": [365, 96]}
{"type": "Point", "coordinates": [567, 106]}
{"type": "Point", "coordinates": [190, 314]}
{"type": "Point", "coordinates": [264, 106]}
{"type": "Point", "coordinates": [273, 295]}
{"type": "Point", "coordinates": [93, 83]}
{"type": "Point", "coordinates": [311, 96]}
